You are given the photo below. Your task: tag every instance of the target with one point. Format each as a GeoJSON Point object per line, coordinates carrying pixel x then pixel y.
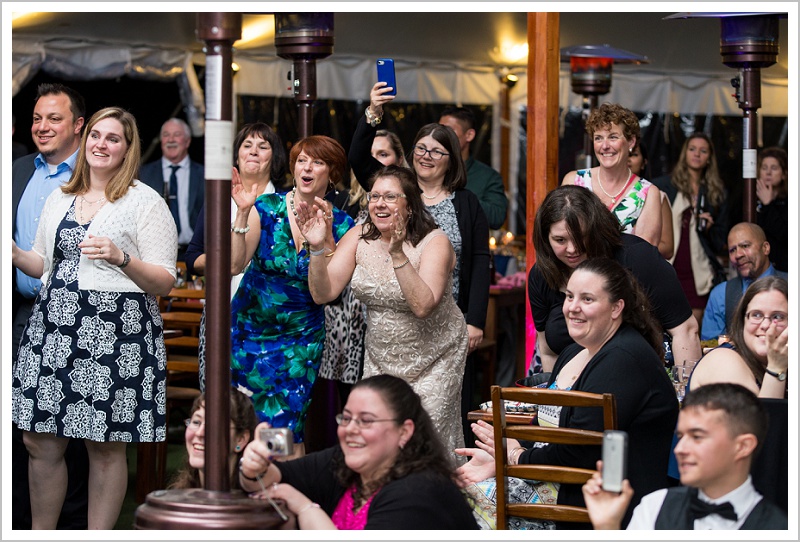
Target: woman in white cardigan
{"type": "Point", "coordinates": [92, 362]}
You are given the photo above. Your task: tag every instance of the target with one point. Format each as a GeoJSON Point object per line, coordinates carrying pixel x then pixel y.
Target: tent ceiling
{"type": "Point", "coordinates": [687, 45]}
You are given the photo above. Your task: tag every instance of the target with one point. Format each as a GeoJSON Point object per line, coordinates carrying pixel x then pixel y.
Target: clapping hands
{"type": "Point", "coordinates": [315, 221]}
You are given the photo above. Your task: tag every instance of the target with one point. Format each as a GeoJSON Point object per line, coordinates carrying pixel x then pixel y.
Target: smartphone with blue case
{"type": "Point", "coordinates": [386, 74]}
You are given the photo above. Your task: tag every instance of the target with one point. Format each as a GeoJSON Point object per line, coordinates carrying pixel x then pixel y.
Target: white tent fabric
{"type": "Point", "coordinates": [350, 78]}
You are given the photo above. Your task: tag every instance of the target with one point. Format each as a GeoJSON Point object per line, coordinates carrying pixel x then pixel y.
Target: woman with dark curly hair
{"type": "Point", "coordinates": [389, 470]}
{"type": "Point", "coordinates": [699, 220]}
{"type": "Point", "coordinates": [635, 202]}
{"type": "Point", "coordinates": [400, 265]}
{"type": "Point", "coordinates": [243, 423]}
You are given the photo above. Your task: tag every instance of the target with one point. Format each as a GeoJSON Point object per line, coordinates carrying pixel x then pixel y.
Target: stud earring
{"type": "Point", "coordinates": [630, 150]}
{"type": "Point", "coordinates": [238, 448]}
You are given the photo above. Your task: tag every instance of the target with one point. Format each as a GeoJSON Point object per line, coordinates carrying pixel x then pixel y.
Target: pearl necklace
{"type": "Point", "coordinates": [426, 196]}
{"type": "Point", "coordinates": [624, 186]}
{"type": "Point", "coordinates": [102, 201]}
{"type": "Point", "coordinates": [291, 201]}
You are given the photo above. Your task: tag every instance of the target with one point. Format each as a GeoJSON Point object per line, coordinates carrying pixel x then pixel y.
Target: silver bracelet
{"type": "Point", "coordinates": [319, 252]}
{"type": "Point", "coordinates": [401, 265]}
{"type": "Point", "coordinates": [306, 507]}
{"type": "Point", "coordinates": [246, 229]}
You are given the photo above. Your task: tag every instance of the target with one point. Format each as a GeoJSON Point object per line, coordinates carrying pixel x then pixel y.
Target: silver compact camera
{"type": "Point", "coordinates": [279, 441]}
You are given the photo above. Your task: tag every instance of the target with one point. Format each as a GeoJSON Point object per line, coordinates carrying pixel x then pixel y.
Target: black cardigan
{"type": "Point", "coordinates": [647, 409]}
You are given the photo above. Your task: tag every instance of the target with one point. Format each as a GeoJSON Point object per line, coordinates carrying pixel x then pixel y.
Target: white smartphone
{"type": "Point", "coordinates": [615, 460]}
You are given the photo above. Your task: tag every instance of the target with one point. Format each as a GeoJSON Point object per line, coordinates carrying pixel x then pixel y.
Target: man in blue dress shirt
{"type": "Point", "coordinates": [748, 250]}
{"type": "Point", "coordinates": [58, 118]}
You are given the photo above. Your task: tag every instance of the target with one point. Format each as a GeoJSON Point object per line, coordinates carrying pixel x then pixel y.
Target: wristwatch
{"type": "Point", "coordinates": [372, 119]}
{"type": "Point", "coordinates": [126, 259]}
{"type": "Point", "coordinates": [779, 376]}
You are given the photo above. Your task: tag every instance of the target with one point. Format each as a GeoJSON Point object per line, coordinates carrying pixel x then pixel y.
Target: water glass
{"type": "Point", "coordinates": [680, 377]}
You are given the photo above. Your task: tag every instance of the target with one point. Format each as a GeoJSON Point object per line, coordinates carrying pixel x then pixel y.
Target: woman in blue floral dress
{"type": "Point", "coordinates": [92, 362]}
{"type": "Point", "coordinates": [277, 331]}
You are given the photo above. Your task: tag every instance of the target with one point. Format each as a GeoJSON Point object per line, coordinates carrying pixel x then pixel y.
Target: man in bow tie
{"type": "Point", "coordinates": [720, 429]}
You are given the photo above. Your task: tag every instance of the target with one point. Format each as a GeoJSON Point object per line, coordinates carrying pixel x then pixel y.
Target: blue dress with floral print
{"type": "Point", "coordinates": [91, 364]}
{"type": "Point", "coordinates": [277, 331]}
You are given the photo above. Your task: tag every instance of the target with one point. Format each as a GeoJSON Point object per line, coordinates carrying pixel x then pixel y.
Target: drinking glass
{"type": "Point", "coordinates": [680, 377]}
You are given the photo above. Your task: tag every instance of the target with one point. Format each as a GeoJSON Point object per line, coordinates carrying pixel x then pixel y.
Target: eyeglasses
{"type": "Point", "coordinates": [435, 153]}
{"type": "Point", "coordinates": [345, 419]}
{"type": "Point", "coordinates": [389, 197]}
{"type": "Point", "coordinates": [756, 317]}
{"type": "Point", "coordinates": [194, 423]}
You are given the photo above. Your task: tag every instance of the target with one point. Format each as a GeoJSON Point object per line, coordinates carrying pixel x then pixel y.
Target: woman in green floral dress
{"type": "Point", "coordinates": [277, 331]}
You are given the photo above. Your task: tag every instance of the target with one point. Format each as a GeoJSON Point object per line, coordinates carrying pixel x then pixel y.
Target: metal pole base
{"type": "Point", "coordinates": [204, 509]}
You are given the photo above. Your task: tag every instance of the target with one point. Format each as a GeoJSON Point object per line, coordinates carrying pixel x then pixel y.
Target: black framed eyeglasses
{"type": "Point", "coordinates": [435, 154]}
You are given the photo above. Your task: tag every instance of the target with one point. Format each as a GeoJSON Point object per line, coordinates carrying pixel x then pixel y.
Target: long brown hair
{"type": "Point", "coordinates": [682, 179]}
{"type": "Point", "coordinates": [424, 451]}
{"type": "Point", "coordinates": [128, 170]}
{"type": "Point", "coordinates": [619, 283]}
{"type": "Point", "coordinates": [764, 284]}
{"type": "Point", "coordinates": [594, 229]}
{"type": "Point", "coordinates": [244, 420]}
{"type": "Point", "coordinates": [420, 221]}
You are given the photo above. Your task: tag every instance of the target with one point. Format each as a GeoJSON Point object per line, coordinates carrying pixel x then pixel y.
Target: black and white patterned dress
{"type": "Point", "coordinates": [91, 364]}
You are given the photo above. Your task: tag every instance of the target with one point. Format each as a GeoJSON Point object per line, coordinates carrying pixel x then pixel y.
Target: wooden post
{"type": "Point", "coordinates": [542, 159]}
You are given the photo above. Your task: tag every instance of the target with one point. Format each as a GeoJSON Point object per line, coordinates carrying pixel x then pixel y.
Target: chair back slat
{"type": "Point", "coordinates": [552, 435]}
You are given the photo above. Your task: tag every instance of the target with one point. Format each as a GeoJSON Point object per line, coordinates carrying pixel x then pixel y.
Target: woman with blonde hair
{"type": "Point", "coordinates": [699, 220]}
{"type": "Point", "coordinates": [92, 362]}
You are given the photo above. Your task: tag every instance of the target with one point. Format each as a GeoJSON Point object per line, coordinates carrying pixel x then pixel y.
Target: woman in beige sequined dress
{"type": "Point", "coordinates": [401, 267]}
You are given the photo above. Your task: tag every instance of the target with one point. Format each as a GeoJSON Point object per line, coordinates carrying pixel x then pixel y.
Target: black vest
{"type": "Point", "coordinates": [675, 515]}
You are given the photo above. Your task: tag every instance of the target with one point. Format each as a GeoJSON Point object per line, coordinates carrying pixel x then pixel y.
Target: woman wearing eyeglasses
{"type": "Point", "coordinates": [388, 471]}
{"type": "Point", "coordinates": [243, 422]}
{"type": "Point", "coordinates": [400, 265]}
{"type": "Point", "coordinates": [442, 178]}
{"type": "Point", "coordinates": [756, 356]}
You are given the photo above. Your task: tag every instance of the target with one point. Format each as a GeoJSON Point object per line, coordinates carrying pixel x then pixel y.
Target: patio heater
{"type": "Point", "coordinates": [748, 42]}
{"type": "Point", "coordinates": [304, 38]}
{"type": "Point", "coordinates": [214, 506]}
{"type": "Point", "coordinates": [590, 75]}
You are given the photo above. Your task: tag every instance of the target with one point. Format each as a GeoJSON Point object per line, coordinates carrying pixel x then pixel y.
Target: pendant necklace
{"type": "Point", "coordinates": [386, 248]}
{"type": "Point", "coordinates": [613, 198]}
{"type": "Point", "coordinates": [102, 201]}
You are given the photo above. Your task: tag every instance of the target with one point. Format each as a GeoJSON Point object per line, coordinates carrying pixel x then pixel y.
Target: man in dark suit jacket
{"type": "Point", "coordinates": [58, 118]}
{"type": "Point", "coordinates": [186, 197]}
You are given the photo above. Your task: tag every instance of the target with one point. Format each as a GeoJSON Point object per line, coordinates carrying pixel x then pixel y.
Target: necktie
{"type": "Point", "coordinates": [173, 196]}
{"type": "Point", "coordinates": [700, 509]}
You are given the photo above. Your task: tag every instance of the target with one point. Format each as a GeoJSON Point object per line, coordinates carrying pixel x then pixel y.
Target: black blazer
{"type": "Point", "coordinates": [21, 173]}
{"type": "Point", "coordinates": [152, 174]}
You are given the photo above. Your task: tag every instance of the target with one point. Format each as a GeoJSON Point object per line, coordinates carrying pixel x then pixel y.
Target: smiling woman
{"type": "Point", "coordinates": [388, 471]}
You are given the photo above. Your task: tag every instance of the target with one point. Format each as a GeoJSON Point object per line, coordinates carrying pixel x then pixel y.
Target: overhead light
{"type": "Point", "coordinates": [590, 66]}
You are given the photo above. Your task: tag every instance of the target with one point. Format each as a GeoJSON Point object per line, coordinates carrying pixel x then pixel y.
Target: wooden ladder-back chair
{"type": "Point", "coordinates": [552, 435]}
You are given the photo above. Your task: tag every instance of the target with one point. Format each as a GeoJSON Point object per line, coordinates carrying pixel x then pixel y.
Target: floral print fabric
{"type": "Point", "coordinates": [629, 207]}
{"type": "Point", "coordinates": [91, 364]}
{"type": "Point", "coordinates": [277, 331]}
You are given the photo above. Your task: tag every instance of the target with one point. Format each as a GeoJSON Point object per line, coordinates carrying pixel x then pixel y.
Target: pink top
{"type": "Point", "coordinates": [345, 519]}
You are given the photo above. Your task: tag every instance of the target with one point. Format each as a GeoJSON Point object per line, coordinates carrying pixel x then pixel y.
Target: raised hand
{"type": "Point", "coordinates": [315, 222]}
{"type": "Point", "coordinates": [378, 97]}
{"type": "Point", "coordinates": [244, 198]}
{"type": "Point", "coordinates": [777, 348]}
{"type": "Point", "coordinates": [606, 509]}
{"type": "Point", "coordinates": [765, 192]}
{"type": "Point", "coordinates": [477, 469]}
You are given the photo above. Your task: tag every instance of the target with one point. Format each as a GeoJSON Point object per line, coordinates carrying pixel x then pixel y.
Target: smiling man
{"type": "Point", "coordinates": [180, 180]}
{"type": "Point", "coordinates": [721, 427]}
{"type": "Point", "coordinates": [748, 250]}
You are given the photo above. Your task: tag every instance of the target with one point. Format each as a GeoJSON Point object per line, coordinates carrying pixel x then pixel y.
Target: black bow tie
{"type": "Point", "coordinates": [700, 509]}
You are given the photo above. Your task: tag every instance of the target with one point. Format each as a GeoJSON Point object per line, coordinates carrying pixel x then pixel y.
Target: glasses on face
{"type": "Point", "coordinates": [756, 317]}
{"type": "Point", "coordinates": [434, 153]}
{"type": "Point", "coordinates": [365, 423]}
{"type": "Point", "coordinates": [194, 423]}
{"type": "Point", "coordinates": [389, 197]}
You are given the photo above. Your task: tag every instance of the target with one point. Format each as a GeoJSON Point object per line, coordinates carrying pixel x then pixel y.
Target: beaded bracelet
{"type": "Point", "coordinates": [401, 265]}
{"type": "Point", "coordinates": [306, 507]}
{"type": "Point", "coordinates": [234, 229]}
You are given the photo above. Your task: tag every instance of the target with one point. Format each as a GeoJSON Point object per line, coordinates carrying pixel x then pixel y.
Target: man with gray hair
{"type": "Point", "coordinates": [180, 180]}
